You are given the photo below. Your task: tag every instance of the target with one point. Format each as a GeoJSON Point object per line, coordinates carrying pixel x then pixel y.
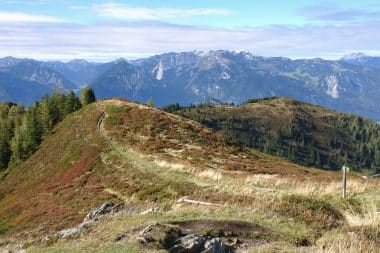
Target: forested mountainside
{"type": "Point", "coordinates": [303, 133]}
{"type": "Point", "coordinates": [22, 129]}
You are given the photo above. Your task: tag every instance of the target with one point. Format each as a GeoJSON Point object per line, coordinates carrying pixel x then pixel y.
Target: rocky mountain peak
{"type": "Point", "coordinates": [354, 57]}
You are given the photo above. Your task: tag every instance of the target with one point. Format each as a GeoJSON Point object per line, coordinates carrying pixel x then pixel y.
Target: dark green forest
{"type": "Point", "coordinates": [22, 129]}
{"type": "Point", "coordinates": [305, 134]}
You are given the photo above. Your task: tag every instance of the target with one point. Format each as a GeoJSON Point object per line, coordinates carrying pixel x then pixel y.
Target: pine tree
{"type": "Point", "coordinates": [312, 155]}
{"type": "Point", "coordinates": [72, 103]}
{"type": "Point", "coordinates": [377, 157]}
{"type": "Point", "coordinates": [150, 102]}
{"type": "Point", "coordinates": [16, 113]}
{"type": "Point", "coordinates": [16, 146]}
{"type": "Point", "coordinates": [54, 108]}
{"type": "Point", "coordinates": [267, 148]}
{"type": "Point", "coordinates": [45, 119]}
{"type": "Point", "coordinates": [291, 154]}
{"type": "Point", "coordinates": [5, 148]}
{"type": "Point", "coordinates": [87, 96]}
{"type": "Point", "coordinates": [32, 133]}
{"type": "Point", "coordinates": [318, 162]}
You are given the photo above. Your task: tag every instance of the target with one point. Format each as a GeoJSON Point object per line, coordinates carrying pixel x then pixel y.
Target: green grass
{"type": "Point", "coordinates": [108, 248]}
{"type": "Point", "coordinates": [114, 120]}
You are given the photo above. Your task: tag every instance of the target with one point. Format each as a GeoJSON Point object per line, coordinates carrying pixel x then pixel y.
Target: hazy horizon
{"type": "Point", "coordinates": [201, 52]}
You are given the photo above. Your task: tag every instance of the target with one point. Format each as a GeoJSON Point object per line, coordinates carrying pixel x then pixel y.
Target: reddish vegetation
{"type": "Point", "coordinates": [65, 178]}
{"type": "Point", "coordinates": [153, 131]}
{"type": "Point", "coordinates": [87, 160]}
{"type": "Point", "coordinates": [49, 190]}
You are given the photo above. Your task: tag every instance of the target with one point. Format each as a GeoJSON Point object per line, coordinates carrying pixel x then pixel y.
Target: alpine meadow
{"type": "Point", "coordinates": [189, 127]}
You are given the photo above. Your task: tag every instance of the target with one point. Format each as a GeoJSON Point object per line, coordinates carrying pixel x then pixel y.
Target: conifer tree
{"type": "Point", "coordinates": [87, 96]}
{"type": "Point", "coordinates": [150, 102]}
{"type": "Point", "coordinates": [5, 149]}
{"type": "Point", "coordinates": [54, 108]}
{"type": "Point", "coordinates": [72, 103]}
{"type": "Point", "coordinates": [16, 146]}
{"type": "Point", "coordinates": [32, 133]}
{"type": "Point", "coordinates": [45, 119]}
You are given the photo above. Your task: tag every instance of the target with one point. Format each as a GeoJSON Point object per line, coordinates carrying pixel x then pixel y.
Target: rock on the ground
{"type": "Point", "coordinates": [189, 244]}
{"type": "Point", "coordinates": [107, 207]}
{"type": "Point", "coordinates": [170, 237]}
{"type": "Point", "coordinates": [160, 234]}
{"type": "Point", "coordinates": [215, 245]}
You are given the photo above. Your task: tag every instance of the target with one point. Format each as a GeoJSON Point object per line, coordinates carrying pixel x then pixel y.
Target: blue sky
{"type": "Point", "coordinates": [105, 30]}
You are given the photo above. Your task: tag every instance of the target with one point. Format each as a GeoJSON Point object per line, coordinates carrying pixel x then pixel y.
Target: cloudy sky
{"type": "Point", "coordinates": [103, 31]}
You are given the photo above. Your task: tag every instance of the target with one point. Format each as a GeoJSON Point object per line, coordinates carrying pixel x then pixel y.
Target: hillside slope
{"type": "Point", "coordinates": [146, 160]}
{"type": "Point", "coordinates": [303, 133]}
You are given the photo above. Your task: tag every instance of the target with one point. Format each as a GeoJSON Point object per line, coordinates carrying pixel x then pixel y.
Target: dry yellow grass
{"type": "Point", "coordinates": [286, 185]}
{"type": "Point", "coordinates": [369, 217]}
{"type": "Point", "coordinates": [347, 242]}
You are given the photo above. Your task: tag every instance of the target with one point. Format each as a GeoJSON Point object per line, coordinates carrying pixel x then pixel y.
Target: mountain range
{"type": "Point", "coordinates": [351, 84]}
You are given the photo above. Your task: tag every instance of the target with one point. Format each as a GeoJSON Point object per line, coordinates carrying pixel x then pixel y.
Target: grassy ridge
{"type": "Point", "coordinates": [147, 159]}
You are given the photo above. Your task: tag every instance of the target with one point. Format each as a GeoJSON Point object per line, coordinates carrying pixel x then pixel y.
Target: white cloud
{"type": "Point", "coordinates": [19, 17]}
{"type": "Point", "coordinates": [126, 12]}
{"type": "Point", "coordinates": [110, 41]}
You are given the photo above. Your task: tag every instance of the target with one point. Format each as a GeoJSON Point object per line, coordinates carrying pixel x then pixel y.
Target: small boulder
{"type": "Point", "coordinates": [103, 209]}
{"type": "Point", "coordinates": [216, 245]}
{"type": "Point", "coordinates": [160, 234]}
{"type": "Point", "coordinates": [189, 244]}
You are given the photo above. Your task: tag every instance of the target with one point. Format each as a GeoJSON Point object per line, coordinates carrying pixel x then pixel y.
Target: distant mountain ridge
{"type": "Point", "coordinates": [27, 80]}
{"type": "Point", "coordinates": [361, 59]}
{"type": "Point", "coordinates": [79, 72]}
{"type": "Point", "coordinates": [351, 84]}
{"type": "Point", "coordinates": [225, 76]}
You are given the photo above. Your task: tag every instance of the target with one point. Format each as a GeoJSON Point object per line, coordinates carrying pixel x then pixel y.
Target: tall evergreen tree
{"type": "Point", "coordinates": [32, 133]}
{"type": "Point", "coordinates": [5, 148]}
{"type": "Point", "coordinates": [87, 96]}
{"type": "Point", "coordinates": [55, 108]}
{"type": "Point", "coordinates": [16, 146]}
{"type": "Point", "coordinates": [45, 119]}
{"type": "Point", "coordinates": [150, 102]}
{"type": "Point", "coordinates": [72, 103]}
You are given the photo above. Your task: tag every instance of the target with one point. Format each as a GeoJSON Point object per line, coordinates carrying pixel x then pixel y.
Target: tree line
{"type": "Point", "coordinates": [22, 129]}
